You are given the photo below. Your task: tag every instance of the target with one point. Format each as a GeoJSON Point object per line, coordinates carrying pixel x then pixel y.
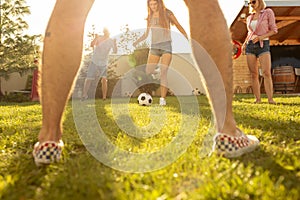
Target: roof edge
{"type": "Point", "coordinates": [279, 3]}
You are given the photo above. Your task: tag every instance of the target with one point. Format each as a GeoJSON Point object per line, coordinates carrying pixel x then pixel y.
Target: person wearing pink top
{"type": "Point", "coordinates": [261, 25]}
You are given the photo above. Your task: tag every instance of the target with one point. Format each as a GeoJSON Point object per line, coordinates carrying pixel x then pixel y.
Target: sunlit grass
{"type": "Point", "coordinates": [270, 172]}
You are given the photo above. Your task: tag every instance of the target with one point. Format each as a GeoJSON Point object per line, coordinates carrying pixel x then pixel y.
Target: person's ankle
{"type": "Point", "coordinates": [258, 100]}
{"type": "Point", "coordinates": [231, 130]}
{"type": "Point", "coordinates": [49, 137]}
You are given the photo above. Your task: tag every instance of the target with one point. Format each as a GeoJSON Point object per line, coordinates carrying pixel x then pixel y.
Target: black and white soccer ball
{"type": "Point", "coordinates": [145, 99]}
{"type": "Point", "coordinates": [196, 91]}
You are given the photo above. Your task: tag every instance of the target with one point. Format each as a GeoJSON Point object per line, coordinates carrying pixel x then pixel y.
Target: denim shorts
{"type": "Point", "coordinates": [95, 70]}
{"type": "Point", "coordinates": [159, 49]}
{"type": "Point", "coordinates": [256, 50]}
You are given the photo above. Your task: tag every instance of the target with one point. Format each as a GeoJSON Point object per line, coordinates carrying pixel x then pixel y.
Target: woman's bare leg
{"type": "Point", "coordinates": [253, 68]}
{"type": "Point", "coordinates": [265, 62]}
{"type": "Point", "coordinates": [165, 62]}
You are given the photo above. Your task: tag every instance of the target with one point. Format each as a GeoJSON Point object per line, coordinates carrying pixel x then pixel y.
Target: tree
{"type": "Point", "coordinates": [18, 51]}
{"type": "Point", "coordinates": [138, 59]}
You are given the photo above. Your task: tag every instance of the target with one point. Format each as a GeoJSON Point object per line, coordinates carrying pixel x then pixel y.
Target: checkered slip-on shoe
{"type": "Point", "coordinates": [231, 147]}
{"type": "Point", "coordinates": [47, 152]}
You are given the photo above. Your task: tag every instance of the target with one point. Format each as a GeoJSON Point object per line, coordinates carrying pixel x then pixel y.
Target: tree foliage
{"type": "Point", "coordinates": [127, 38]}
{"type": "Point", "coordinates": [18, 50]}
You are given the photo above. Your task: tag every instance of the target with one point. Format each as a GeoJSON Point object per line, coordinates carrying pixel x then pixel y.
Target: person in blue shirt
{"type": "Point", "coordinates": [98, 66]}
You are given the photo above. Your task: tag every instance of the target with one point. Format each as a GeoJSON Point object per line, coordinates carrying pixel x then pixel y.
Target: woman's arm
{"type": "Point", "coordinates": [271, 25]}
{"type": "Point", "coordinates": [115, 48]}
{"type": "Point", "coordinates": [178, 26]}
{"type": "Point", "coordinates": [268, 34]}
{"type": "Point", "coordinates": [94, 42]}
{"type": "Point", "coordinates": [143, 37]}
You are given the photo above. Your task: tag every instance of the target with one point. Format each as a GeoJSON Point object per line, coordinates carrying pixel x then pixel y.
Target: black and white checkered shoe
{"type": "Point", "coordinates": [231, 147]}
{"type": "Point", "coordinates": [47, 152]}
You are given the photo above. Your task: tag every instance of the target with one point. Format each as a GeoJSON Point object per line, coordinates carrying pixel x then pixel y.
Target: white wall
{"type": "Point", "coordinates": [182, 76]}
{"type": "Point", "coordinates": [15, 82]}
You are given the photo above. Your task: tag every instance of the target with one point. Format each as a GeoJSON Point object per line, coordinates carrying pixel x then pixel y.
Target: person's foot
{"type": "Point", "coordinates": [257, 101]}
{"type": "Point", "coordinates": [234, 146]}
{"type": "Point", "coordinates": [272, 102]}
{"type": "Point", "coordinates": [156, 74]}
{"type": "Point", "coordinates": [162, 101]}
{"type": "Point", "coordinates": [83, 98]}
{"type": "Point", "coordinates": [47, 152]}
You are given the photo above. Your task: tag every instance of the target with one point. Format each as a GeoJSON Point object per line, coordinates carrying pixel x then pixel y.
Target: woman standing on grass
{"type": "Point", "coordinates": [261, 25]}
{"type": "Point", "coordinates": [158, 21]}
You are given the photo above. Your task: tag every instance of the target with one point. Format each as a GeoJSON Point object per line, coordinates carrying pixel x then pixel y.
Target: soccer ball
{"type": "Point", "coordinates": [196, 91]}
{"type": "Point", "coordinates": [144, 99]}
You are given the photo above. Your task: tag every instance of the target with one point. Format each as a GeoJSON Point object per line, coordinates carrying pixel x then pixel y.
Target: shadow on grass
{"type": "Point", "coordinates": [81, 176]}
{"type": "Point", "coordinates": [278, 152]}
{"type": "Point", "coordinates": [23, 104]}
{"type": "Point", "coordinates": [78, 176]}
{"type": "Point", "coordinates": [270, 163]}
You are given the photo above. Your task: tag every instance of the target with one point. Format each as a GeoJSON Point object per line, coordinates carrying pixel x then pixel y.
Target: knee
{"type": "Point", "coordinates": [164, 72]}
{"type": "Point", "coordinates": [267, 74]}
{"type": "Point", "coordinates": [148, 71]}
{"type": "Point", "coordinates": [254, 75]}
{"type": "Point", "coordinates": [150, 68]}
{"type": "Point", "coordinates": [103, 80]}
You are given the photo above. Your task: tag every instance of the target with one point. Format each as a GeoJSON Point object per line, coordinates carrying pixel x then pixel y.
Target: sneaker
{"type": "Point", "coordinates": [156, 74]}
{"type": "Point", "coordinates": [231, 147]}
{"type": "Point", "coordinates": [84, 98]}
{"type": "Point", "coordinates": [47, 152]}
{"type": "Point", "coordinates": [162, 101]}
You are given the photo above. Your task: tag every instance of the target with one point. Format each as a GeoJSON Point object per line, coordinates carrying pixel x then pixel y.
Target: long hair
{"type": "Point", "coordinates": [163, 21]}
{"type": "Point", "coordinates": [261, 5]}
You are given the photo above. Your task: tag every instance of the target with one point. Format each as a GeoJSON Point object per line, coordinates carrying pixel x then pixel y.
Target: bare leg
{"type": "Point", "coordinates": [151, 63]}
{"type": "Point", "coordinates": [209, 28]}
{"type": "Point", "coordinates": [265, 61]}
{"type": "Point", "coordinates": [104, 87]}
{"type": "Point", "coordinates": [61, 60]}
{"type": "Point", "coordinates": [86, 87]}
{"type": "Point", "coordinates": [165, 62]}
{"type": "Point", "coordinates": [253, 68]}
{"type": "Point", "coordinates": [213, 35]}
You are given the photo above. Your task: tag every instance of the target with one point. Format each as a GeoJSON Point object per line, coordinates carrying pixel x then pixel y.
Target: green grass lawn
{"type": "Point", "coordinates": [270, 172]}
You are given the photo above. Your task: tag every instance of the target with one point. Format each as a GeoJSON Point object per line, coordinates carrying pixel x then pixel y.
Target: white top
{"type": "Point", "coordinates": [253, 25]}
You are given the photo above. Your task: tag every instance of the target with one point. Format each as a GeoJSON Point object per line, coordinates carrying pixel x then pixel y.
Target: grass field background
{"type": "Point", "coordinates": [270, 172]}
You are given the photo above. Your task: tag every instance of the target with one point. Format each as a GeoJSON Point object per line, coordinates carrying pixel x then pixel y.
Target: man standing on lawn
{"type": "Point", "coordinates": [62, 56]}
{"type": "Point", "coordinates": [98, 65]}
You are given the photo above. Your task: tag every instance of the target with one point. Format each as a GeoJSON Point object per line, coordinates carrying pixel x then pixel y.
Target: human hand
{"type": "Point", "coordinates": [244, 49]}
{"type": "Point", "coordinates": [257, 39]}
{"type": "Point", "coordinates": [134, 44]}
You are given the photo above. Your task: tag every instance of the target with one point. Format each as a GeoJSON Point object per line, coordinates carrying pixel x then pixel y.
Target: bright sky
{"type": "Point", "coordinates": [114, 14]}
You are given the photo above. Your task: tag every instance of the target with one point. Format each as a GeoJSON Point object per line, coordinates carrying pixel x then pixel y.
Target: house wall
{"type": "Point", "coordinates": [241, 75]}
{"type": "Point", "coordinates": [14, 82]}
{"type": "Point", "coordinates": [182, 70]}
{"type": "Point", "coordinates": [183, 76]}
